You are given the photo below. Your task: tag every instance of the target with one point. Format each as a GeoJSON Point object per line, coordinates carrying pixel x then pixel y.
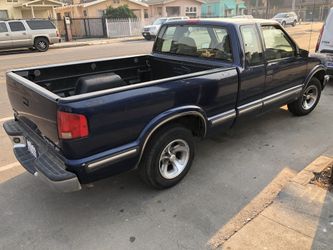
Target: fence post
{"type": "Point", "coordinates": [105, 27]}
{"type": "Point", "coordinates": [130, 26]}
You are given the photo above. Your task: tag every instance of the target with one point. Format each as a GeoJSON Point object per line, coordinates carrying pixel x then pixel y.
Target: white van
{"type": "Point", "coordinates": [324, 48]}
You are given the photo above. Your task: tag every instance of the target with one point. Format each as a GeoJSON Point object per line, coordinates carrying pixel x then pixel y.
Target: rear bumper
{"type": "Point", "coordinates": [41, 159]}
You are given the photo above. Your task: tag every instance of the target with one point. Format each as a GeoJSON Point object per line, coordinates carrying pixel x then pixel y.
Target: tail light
{"type": "Point", "coordinates": [320, 37]}
{"type": "Point", "coordinates": [72, 126]}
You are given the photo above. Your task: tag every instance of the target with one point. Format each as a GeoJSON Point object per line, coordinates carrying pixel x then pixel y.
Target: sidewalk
{"type": "Point", "coordinates": [93, 41]}
{"type": "Point", "coordinates": [300, 217]}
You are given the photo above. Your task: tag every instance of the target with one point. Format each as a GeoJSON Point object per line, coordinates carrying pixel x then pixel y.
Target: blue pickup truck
{"type": "Point", "coordinates": [79, 122]}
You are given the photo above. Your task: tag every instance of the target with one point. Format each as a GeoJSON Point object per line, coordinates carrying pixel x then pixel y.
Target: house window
{"type": "Point", "coordinates": [116, 1]}
{"type": "Point", "coordinates": [85, 13]}
{"type": "Point", "coordinates": [159, 11]}
{"type": "Point", "coordinates": [191, 11]}
{"type": "Point", "coordinates": [12, 1]}
{"type": "Point", "coordinates": [145, 13]}
{"type": "Point", "coordinates": [3, 14]}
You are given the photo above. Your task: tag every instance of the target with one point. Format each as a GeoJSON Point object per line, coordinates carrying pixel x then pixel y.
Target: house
{"type": "Point", "coordinates": [25, 9]}
{"type": "Point", "coordinates": [222, 8]}
{"type": "Point", "coordinates": [97, 8]}
{"type": "Point", "coordinates": [159, 8]}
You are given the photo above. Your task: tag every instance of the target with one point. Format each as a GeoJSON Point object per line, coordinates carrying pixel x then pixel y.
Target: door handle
{"type": "Point", "coordinates": [7, 34]}
{"type": "Point", "coordinates": [24, 33]}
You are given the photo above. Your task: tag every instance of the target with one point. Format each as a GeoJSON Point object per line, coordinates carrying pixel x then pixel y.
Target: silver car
{"type": "Point", "coordinates": [34, 34]}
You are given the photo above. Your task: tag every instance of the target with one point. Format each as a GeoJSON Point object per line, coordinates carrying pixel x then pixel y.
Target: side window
{"type": "Point", "coordinates": [252, 46]}
{"type": "Point", "coordinates": [16, 26]}
{"type": "Point", "coordinates": [40, 24]}
{"type": "Point", "coordinates": [278, 45]}
{"type": "Point", "coordinates": [3, 28]}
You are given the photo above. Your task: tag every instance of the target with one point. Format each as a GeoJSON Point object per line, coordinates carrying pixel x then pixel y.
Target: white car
{"type": "Point", "coordinates": [324, 48]}
{"type": "Point", "coordinates": [284, 19]}
{"type": "Point", "coordinates": [149, 32]}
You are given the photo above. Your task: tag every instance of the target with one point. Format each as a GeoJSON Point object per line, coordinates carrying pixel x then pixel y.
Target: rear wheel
{"type": "Point", "coordinates": [284, 24]}
{"type": "Point", "coordinates": [294, 23]}
{"type": "Point", "coordinates": [41, 44]}
{"type": "Point", "coordinates": [168, 157]}
{"type": "Point", "coordinates": [309, 99]}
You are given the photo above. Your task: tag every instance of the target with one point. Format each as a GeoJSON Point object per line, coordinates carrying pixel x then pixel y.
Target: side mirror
{"type": "Point", "coordinates": [303, 53]}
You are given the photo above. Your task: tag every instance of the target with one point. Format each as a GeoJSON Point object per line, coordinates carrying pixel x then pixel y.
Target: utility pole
{"type": "Point", "coordinates": [257, 5]}
{"type": "Point", "coordinates": [293, 6]}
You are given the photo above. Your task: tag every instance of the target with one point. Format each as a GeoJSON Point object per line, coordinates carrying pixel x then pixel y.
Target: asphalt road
{"type": "Point", "coordinates": [122, 213]}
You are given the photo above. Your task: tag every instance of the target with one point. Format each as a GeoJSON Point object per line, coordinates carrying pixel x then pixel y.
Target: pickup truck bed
{"type": "Point", "coordinates": [98, 118]}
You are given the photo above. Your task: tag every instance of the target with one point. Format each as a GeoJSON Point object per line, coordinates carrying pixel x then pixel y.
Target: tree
{"type": "Point", "coordinates": [119, 12]}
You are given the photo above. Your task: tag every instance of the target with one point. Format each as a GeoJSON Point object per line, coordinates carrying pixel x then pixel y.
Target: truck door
{"type": "Point", "coordinates": [5, 41]}
{"type": "Point", "coordinates": [19, 35]}
{"type": "Point", "coordinates": [252, 75]}
{"type": "Point", "coordinates": [285, 68]}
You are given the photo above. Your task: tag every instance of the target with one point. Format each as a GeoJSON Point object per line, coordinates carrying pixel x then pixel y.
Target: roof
{"type": "Point", "coordinates": [101, 1]}
{"type": "Point", "coordinates": [154, 2]}
{"type": "Point", "coordinates": [225, 21]}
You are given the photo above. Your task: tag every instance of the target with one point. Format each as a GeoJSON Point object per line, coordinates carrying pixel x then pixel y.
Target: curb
{"type": "Point", "coordinates": [63, 45]}
{"type": "Point", "coordinates": [258, 205]}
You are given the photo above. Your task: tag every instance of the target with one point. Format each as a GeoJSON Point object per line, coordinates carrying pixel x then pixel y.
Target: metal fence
{"type": "Point", "coordinates": [126, 27]}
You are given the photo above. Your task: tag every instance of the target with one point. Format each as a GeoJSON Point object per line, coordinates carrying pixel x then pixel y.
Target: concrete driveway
{"type": "Point", "coordinates": [123, 213]}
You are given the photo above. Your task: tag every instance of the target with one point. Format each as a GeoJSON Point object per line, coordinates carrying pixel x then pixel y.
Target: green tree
{"type": "Point", "coordinates": [119, 12]}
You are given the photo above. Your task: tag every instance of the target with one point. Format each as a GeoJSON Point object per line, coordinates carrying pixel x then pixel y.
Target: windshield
{"type": "Point", "coordinates": [196, 41]}
{"type": "Point", "coordinates": [159, 21]}
{"type": "Point", "coordinates": [281, 15]}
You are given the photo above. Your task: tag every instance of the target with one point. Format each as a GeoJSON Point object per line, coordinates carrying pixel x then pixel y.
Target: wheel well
{"type": "Point", "coordinates": [194, 123]}
{"type": "Point", "coordinates": [320, 75]}
{"type": "Point", "coordinates": [41, 37]}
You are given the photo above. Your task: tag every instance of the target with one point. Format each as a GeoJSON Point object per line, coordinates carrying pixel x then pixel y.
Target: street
{"type": "Point", "coordinates": [121, 212]}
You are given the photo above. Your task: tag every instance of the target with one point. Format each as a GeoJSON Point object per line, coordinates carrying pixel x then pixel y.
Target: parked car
{"type": "Point", "coordinates": [79, 122]}
{"type": "Point", "coordinates": [149, 32]}
{"type": "Point", "coordinates": [244, 16]}
{"type": "Point", "coordinates": [34, 34]}
{"type": "Point", "coordinates": [324, 48]}
{"type": "Point", "coordinates": [284, 19]}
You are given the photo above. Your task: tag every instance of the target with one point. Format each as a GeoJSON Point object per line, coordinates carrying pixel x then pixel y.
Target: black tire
{"type": "Point", "coordinates": [299, 107]}
{"type": "Point", "coordinates": [294, 23]}
{"type": "Point", "coordinates": [284, 24]}
{"type": "Point", "coordinates": [41, 44]}
{"type": "Point", "coordinates": [150, 168]}
{"type": "Point", "coordinates": [148, 38]}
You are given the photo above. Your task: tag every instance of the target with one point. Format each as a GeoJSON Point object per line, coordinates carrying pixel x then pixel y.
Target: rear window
{"type": "Point", "coordinates": [196, 41]}
{"type": "Point", "coordinates": [40, 25]}
{"type": "Point", "coordinates": [3, 28]}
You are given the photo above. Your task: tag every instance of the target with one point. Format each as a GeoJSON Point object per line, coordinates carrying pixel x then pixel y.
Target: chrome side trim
{"type": "Point", "coordinates": [112, 158]}
{"type": "Point", "coordinates": [283, 94]}
{"type": "Point", "coordinates": [249, 107]}
{"type": "Point", "coordinates": [223, 117]}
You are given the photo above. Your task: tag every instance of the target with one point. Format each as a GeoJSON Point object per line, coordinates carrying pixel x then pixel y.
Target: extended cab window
{"type": "Point", "coordinates": [196, 41]}
{"type": "Point", "coordinates": [277, 43]}
{"type": "Point", "coordinates": [3, 28]}
{"type": "Point", "coordinates": [40, 24]}
{"type": "Point", "coordinates": [252, 46]}
{"type": "Point", "coordinates": [16, 26]}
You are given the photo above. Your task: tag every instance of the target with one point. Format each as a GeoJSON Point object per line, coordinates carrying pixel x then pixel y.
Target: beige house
{"type": "Point", "coordinates": [190, 8]}
{"type": "Point", "coordinates": [25, 9]}
{"type": "Point", "coordinates": [97, 8]}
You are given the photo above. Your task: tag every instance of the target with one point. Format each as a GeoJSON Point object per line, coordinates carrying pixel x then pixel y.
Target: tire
{"type": "Point", "coordinates": [41, 44]}
{"type": "Point", "coordinates": [158, 167]}
{"type": "Point", "coordinates": [308, 100]}
{"type": "Point", "coordinates": [294, 23]}
{"type": "Point", "coordinates": [284, 24]}
{"type": "Point", "coordinates": [148, 38]}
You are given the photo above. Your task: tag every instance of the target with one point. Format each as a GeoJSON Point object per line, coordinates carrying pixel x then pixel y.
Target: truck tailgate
{"type": "Point", "coordinates": [33, 105]}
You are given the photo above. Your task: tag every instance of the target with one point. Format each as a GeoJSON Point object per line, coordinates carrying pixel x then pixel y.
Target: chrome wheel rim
{"type": "Point", "coordinates": [42, 45]}
{"type": "Point", "coordinates": [310, 97]}
{"type": "Point", "coordinates": [174, 159]}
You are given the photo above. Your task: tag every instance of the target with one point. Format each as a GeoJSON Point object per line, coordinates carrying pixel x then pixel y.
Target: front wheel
{"type": "Point", "coordinates": [294, 23]}
{"type": "Point", "coordinates": [41, 44]}
{"type": "Point", "coordinates": [309, 99]}
{"type": "Point", "coordinates": [168, 157]}
{"type": "Point", "coordinates": [284, 24]}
